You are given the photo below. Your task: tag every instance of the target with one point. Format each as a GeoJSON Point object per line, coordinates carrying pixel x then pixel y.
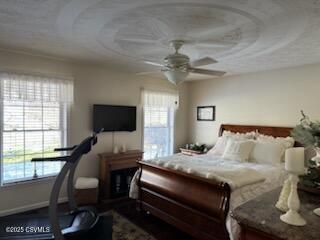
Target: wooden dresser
{"type": "Point", "coordinates": [110, 163]}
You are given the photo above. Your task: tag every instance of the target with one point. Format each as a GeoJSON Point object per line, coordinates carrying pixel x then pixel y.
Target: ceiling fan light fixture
{"type": "Point", "coordinates": [176, 76]}
{"type": "Point", "coordinates": [176, 66]}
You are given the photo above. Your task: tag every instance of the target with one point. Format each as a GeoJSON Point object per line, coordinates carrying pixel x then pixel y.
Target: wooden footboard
{"type": "Point", "coordinates": [194, 205]}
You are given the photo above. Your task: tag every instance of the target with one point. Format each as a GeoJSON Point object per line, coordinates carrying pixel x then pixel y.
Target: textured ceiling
{"type": "Point", "coordinates": [243, 35]}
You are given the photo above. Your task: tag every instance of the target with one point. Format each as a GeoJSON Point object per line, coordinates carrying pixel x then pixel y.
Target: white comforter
{"type": "Point", "coordinates": [247, 180]}
{"type": "Point", "coordinates": [211, 167]}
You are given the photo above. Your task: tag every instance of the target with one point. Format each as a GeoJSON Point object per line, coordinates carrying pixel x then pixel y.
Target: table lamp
{"type": "Point", "coordinates": [294, 164]}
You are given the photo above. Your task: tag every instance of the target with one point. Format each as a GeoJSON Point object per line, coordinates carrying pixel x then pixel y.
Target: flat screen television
{"type": "Point", "coordinates": [114, 118]}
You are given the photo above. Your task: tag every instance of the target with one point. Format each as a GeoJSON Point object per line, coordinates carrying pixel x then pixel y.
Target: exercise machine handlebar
{"type": "Point", "coordinates": [51, 159]}
{"type": "Point", "coordinates": [65, 149]}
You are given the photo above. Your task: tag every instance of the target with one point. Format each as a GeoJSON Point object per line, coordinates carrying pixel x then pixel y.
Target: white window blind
{"type": "Point", "coordinates": [33, 123]}
{"type": "Point", "coordinates": [152, 98]}
{"type": "Point", "coordinates": [159, 110]}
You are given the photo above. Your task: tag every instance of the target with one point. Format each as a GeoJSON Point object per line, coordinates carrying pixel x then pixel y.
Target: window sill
{"type": "Point", "coordinates": [8, 186]}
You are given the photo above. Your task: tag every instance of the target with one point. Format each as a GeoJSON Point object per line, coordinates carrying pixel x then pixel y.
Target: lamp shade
{"type": "Point", "coordinates": [294, 160]}
{"type": "Point", "coordinates": [175, 76]}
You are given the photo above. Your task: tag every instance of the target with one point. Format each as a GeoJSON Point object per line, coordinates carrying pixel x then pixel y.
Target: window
{"type": "Point", "coordinates": [33, 123]}
{"type": "Point", "coordinates": [158, 132]}
{"type": "Point", "coordinates": [159, 110]}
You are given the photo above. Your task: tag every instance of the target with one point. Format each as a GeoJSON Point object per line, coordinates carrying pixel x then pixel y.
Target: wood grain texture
{"type": "Point", "coordinates": [110, 162]}
{"type": "Point", "coordinates": [266, 130]}
{"type": "Point", "coordinates": [193, 204]}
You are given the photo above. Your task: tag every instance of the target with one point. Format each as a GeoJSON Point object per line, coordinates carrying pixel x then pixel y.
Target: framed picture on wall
{"type": "Point", "coordinates": [206, 113]}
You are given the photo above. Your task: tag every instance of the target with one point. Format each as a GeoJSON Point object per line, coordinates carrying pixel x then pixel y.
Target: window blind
{"type": "Point", "coordinates": [33, 123]}
{"type": "Point", "coordinates": [35, 88]}
{"type": "Point", "coordinates": [158, 123]}
{"type": "Point", "coordinates": [160, 99]}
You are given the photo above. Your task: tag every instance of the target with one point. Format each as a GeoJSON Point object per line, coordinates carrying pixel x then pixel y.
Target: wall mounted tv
{"type": "Point", "coordinates": [114, 118]}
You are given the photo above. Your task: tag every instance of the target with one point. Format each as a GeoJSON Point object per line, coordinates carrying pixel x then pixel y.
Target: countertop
{"type": "Point", "coordinates": [261, 214]}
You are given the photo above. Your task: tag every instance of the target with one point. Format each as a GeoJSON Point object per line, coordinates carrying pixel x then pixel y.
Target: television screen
{"type": "Point", "coordinates": [114, 118]}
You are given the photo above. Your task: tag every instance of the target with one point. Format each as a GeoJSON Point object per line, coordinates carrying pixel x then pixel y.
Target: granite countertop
{"type": "Point", "coordinates": [261, 214]}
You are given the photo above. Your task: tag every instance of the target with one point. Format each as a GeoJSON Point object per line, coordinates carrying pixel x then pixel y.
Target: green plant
{"type": "Point", "coordinates": [197, 147]}
{"type": "Point", "coordinates": [307, 132]}
{"type": "Point", "coordinates": [312, 178]}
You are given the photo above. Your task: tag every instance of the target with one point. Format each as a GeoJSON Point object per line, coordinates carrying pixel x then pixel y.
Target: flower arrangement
{"type": "Point", "coordinates": [197, 147]}
{"type": "Point", "coordinates": [308, 134]}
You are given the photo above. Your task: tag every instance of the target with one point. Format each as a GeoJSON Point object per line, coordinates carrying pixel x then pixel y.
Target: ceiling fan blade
{"type": "Point", "coordinates": [202, 62]}
{"type": "Point", "coordinates": [154, 64]}
{"type": "Point", "coordinates": [207, 72]}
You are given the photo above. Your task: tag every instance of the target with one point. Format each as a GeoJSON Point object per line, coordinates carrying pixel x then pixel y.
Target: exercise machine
{"type": "Point", "coordinates": [79, 223]}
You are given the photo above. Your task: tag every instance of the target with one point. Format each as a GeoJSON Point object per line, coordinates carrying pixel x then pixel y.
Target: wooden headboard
{"type": "Point", "coordinates": [273, 131]}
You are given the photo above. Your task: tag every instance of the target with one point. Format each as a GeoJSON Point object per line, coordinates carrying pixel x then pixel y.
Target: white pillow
{"type": "Point", "coordinates": [221, 143]}
{"type": "Point", "coordinates": [267, 153]}
{"type": "Point", "coordinates": [238, 150]}
{"type": "Point", "coordinates": [286, 142]}
{"type": "Point", "coordinates": [219, 147]}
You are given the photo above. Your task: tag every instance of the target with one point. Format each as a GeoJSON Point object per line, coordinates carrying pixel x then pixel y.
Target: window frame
{"type": "Point", "coordinates": [172, 133]}
{"type": "Point", "coordinates": [1, 141]}
{"type": "Point", "coordinates": [64, 118]}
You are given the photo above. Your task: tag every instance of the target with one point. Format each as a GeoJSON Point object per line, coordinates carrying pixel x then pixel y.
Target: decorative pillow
{"type": "Point", "coordinates": [219, 147]}
{"type": "Point", "coordinates": [267, 153]}
{"type": "Point", "coordinates": [286, 142]}
{"type": "Point", "coordinates": [247, 135]}
{"type": "Point", "coordinates": [238, 150]}
{"type": "Point", "coordinates": [221, 143]}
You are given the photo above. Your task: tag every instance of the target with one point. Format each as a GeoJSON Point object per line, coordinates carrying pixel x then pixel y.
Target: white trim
{"type": "Point", "coordinates": [142, 129]}
{"type": "Point", "coordinates": [29, 207]}
{"type": "Point", "coordinates": [173, 134]}
{"type": "Point", "coordinates": [64, 124]}
{"type": "Point", "coordinates": [1, 141]}
{"type": "Point", "coordinates": [170, 115]}
{"type": "Point", "coordinates": [26, 182]}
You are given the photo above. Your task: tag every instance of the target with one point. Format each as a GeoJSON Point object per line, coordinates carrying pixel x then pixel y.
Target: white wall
{"type": "Point", "coordinates": [272, 98]}
{"type": "Point", "coordinates": [93, 84]}
{"type": "Point", "coordinates": [267, 98]}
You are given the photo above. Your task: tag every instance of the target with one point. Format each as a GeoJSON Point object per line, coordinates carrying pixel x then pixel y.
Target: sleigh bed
{"type": "Point", "coordinates": [193, 204]}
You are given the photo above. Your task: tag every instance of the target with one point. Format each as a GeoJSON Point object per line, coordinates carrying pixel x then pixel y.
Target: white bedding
{"type": "Point", "coordinates": [234, 173]}
{"type": "Point", "coordinates": [247, 180]}
{"type": "Point", "coordinates": [275, 176]}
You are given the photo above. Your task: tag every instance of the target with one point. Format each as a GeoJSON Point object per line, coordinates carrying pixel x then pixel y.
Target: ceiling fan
{"type": "Point", "coordinates": [177, 66]}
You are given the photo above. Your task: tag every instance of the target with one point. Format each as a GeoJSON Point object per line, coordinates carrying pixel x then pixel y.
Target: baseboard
{"type": "Point", "coordinates": [29, 207]}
